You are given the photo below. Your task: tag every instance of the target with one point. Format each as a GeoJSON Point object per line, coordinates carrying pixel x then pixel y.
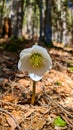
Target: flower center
{"type": "Point", "coordinates": [36, 60]}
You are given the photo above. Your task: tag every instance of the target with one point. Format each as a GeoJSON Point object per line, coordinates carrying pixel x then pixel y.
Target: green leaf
{"type": "Point", "coordinates": [59, 122]}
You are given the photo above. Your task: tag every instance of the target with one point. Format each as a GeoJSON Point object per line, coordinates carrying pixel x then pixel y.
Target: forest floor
{"type": "Point", "coordinates": [53, 109]}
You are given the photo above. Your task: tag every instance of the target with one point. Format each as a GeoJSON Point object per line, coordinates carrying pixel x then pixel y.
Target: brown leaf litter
{"type": "Point", "coordinates": [54, 95]}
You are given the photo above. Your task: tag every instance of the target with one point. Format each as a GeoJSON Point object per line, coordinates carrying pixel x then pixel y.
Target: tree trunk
{"type": "Point", "coordinates": [17, 20]}
{"type": "Point", "coordinates": [41, 21]}
{"type": "Point", "coordinates": [2, 11]}
{"type": "Point", "coordinates": [48, 24]}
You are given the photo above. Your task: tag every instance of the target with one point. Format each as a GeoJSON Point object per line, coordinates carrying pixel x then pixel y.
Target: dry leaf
{"type": "Point", "coordinates": [29, 113]}
{"type": "Point", "coordinates": [11, 122]}
{"type": "Point", "coordinates": [24, 82]}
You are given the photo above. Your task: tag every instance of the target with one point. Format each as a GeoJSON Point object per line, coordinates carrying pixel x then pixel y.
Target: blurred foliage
{"type": "Point", "coordinates": [11, 47]}
{"type": "Point", "coordinates": [14, 45]}
{"type": "Point", "coordinates": [71, 68]}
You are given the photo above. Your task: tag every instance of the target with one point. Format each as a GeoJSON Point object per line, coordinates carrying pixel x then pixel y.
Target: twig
{"type": "Point", "coordinates": [67, 120]}
{"type": "Point", "coordinates": [70, 86]}
{"type": "Point", "coordinates": [6, 112]}
{"type": "Point", "coordinates": [59, 105]}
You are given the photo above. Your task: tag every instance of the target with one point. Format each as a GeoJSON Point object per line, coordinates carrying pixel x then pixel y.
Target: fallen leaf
{"type": "Point", "coordinates": [11, 122]}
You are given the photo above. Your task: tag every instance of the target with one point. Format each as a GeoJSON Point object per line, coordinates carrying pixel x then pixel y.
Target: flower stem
{"type": "Point", "coordinates": [33, 93]}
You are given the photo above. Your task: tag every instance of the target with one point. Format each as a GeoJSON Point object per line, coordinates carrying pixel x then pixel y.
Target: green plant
{"type": "Point", "coordinates": [71, 68]}
{"type": "Point", "coordinates": [58, 83]}
{"type": "Point", "coordinates": [59, 122]}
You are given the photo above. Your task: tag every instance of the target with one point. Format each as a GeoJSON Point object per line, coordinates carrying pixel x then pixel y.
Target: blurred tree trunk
{"type": "Point", "coordinates": [41, 20]}
{"type": "Point", "coordinates": [72, 25]}
{"type": "Point", "coordinates": [1, 13]}
{"type": "Point", "coordinates": [18, 18]}
{"type": "Point", "coordinates": [48, 23]}
{"type": "Point", "coordinates": [29, 13]}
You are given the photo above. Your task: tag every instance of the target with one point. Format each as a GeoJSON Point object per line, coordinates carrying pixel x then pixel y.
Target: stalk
{"type": "Point", "coordinates": [33, 93]}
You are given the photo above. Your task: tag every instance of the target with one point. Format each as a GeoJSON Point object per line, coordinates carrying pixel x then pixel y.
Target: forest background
{"type": "Point", "coordinates": [45, 20]}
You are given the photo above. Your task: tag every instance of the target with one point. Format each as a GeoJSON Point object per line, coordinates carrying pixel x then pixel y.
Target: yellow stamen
{"type": "Point", "coordinates": [36, 60]}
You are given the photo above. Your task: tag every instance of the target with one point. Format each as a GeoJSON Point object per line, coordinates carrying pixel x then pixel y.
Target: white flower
{"type": "Point", "coordinates": [36, 61]}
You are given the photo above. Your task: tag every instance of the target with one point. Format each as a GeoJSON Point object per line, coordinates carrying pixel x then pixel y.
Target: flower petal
{"type": "Point", "coordinates": [35, 77]}
{"type": "Point", "coordinates": [25, 52]}
{"type": "Point", "coordinates": [23, 63]}
{"type": "Point", "coordinates": [38, 49]}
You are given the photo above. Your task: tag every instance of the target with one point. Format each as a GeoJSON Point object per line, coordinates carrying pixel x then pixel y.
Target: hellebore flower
{"type": "Point", "coordinates": [36, 61]}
